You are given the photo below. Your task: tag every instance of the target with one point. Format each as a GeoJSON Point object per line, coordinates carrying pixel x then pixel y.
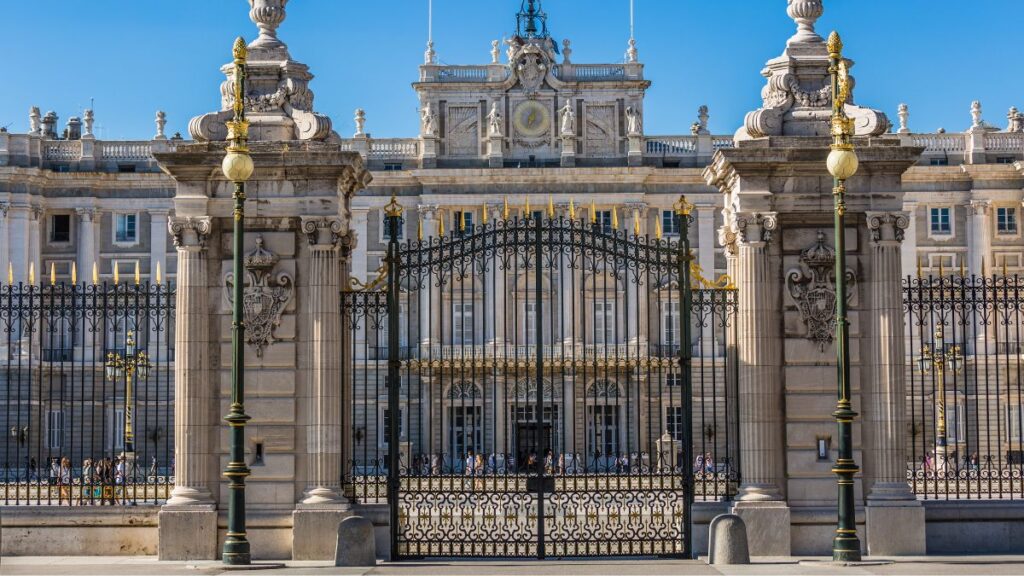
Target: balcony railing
{"type": "Point", "coordinates": [672, 145]}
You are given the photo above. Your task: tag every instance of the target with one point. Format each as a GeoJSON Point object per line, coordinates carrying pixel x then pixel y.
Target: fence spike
{"type": "Point", "coordinates": [53, 273]}
{"type": "Point", "coordinates": [138, 277]}
{"type": "Point", "coordinates": [31, 273]}
{"type": "Point", "coordinates": [74, 272]}
{"type": "Point", "coordinates": [10, 273]}
{"type": "Point", "coordinates": [485, 213]}
{"type": "Point", "coordinates": [159, 280]}
{"type": "Point", "coordinates": [117, 275]}
{"type": "Point", "coordinates": [615, 218]}
{"type": "Point", "coordinates": [572, 210]}
{"type": "Point", "coordinates": [95, 274]}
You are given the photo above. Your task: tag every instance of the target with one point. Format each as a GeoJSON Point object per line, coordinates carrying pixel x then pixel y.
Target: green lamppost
{"type": "Point", "coordinates": [842, 164]}
{"type": "Point", "coordinates": [238, 167]}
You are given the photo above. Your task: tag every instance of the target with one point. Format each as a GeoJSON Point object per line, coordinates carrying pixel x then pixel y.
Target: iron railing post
{"type": "Point", "coordinates": [393, 215]}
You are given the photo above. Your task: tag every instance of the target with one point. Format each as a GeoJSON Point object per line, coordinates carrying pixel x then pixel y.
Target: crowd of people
{"type": "Point", "coordinates": [531, 463]}
{"type": "Point", "coordinates": [97, 481]}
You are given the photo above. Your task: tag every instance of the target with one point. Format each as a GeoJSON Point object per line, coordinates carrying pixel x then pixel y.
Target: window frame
{"type": "Point", "coordinates": [1014, 216]}
{"type": "Point", "coordinates": [51, 228]}
{"type": "Point", "coordinates": [56, 421]}
{"type": "Point", "coordinates": [384, 228]}
{"type": "Point", "coordinates": [950, 222]}
{"type": "Point", "coordinates": [459, 312]}
{"type": "Point", "coordinates": [608, 335]}
{"type": "Point", "coordinates": [115, 216]}
{"type": "Point", "coordinates": [669, 223]}
{"type": "Point", "coordinates": [382, 430]}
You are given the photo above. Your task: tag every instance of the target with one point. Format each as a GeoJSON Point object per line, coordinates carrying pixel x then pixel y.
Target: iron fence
{"type": "Point", "coordinates": [87, 383]}
{"type": "Point", "coordinates": [964, 386]}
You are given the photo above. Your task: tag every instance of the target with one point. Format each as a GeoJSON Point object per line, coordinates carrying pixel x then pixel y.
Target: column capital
{"type": "Point", "coordinates": [727, 238]}
{"type": "Point", "coordinates": [980, 207]}
{"type": "Point", "coordinates": [87, 214]}
{"type": "Point", "coordinates": [428, 210]}
{"type": "Point", "coordinates": [190, 231]}
{"type": "Point", "coordinates": [755, 227]}
{"type": "Point", "coordinates": [887, 226]}
{"type": "Point", "coordinates": [157, 212]}
{"type": "Point", "coordinates": [35, 212]}
{"type": "Point", "coordinates": [636, 205]}
{"type": "Point", "coordinates": [4, 207]}
{"type": "Point", "coordinates": [323, 231]}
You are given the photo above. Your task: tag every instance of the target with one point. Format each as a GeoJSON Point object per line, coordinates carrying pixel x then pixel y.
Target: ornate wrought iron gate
{"type": "Point", "coordinates": [539, 400]}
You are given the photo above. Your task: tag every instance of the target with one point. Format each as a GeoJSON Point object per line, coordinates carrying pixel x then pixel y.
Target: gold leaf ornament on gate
{"type": "Point", "coordinates": [264, 297]}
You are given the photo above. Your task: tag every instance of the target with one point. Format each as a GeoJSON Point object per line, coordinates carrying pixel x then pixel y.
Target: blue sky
{"type": "Point", "coordinates": [137, 56]}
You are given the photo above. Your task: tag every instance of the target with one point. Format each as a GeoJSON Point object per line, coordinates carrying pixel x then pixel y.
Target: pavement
{"type": "Point", "coordinates": [150, 566]}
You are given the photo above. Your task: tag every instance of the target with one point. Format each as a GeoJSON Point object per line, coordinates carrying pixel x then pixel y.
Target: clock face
{"type": "Point", "coordinates": [532, 119]}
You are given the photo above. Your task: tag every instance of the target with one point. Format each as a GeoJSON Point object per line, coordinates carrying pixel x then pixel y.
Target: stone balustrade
{"type": "Point", "coordinates": [671, 145]}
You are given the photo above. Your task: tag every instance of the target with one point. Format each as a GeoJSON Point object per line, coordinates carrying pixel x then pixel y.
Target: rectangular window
{"type": "Point", "coordinates": [1006, 220]}
{"type": "Point", "coordinates": [674, 419]}
{"type": "Point", "coordinates": [466, 431]}
{"type": "Point", "coordinates": [604, 221]}
{"type": "Point", "coordinates": [385, 424]}
{"type": "Point", "coordinates": [60, 228]}
{"type": "Point", "coordinates": [669, 223]}
{"type": "Point", "coordinates": [940, 223]}
{"type": "Point", "coordinates": [604, 322]}
{"type": "Point", "coordinates": [462, 324]}
{"type": "Point", "coordinates": [125, 228]}
{"type": "Point", "coordinates": [462, 223]}
{"type": "Point", "coordinates": [670, 328]}
{"type": "Point", "coordinates": [403, 332]}
{"type": "Point", "coordinates": [55, 429]}
{"type": "Point", "coordinates": [674, 379]}
{"type": "Point", "coordinates": [1015, 423]}
{"type": "Point", "coordinates": [956, 425]}
{"type": "Point", "coordinates": [604, 431]}
{"type": "Point", "coordinates": [939, 162]}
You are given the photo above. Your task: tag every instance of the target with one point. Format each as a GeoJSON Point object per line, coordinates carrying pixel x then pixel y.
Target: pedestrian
{"type": "Point", "coordinates": [54, 471]}
{"type": "Point", "coordinates": [698, 464]}
{"type": "Point", "coordinates": [64, 481]}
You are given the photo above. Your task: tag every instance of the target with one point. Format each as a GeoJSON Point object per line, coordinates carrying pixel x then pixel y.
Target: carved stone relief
{"type": "Point", "coordinates": [264, 297]}
{"type": "Point", "coordinates": [813, 288]}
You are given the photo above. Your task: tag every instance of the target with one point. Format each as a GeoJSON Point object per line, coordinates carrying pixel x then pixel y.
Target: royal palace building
{"type": "Point", "coordinates": [540, 294]}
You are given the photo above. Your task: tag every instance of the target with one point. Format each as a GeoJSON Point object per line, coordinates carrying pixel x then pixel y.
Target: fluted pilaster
{"type": "Point", "coordinates": [323, 373]}
{"type": "Point", "coordinates": [760, 356]}
{"type": "Point", "coordinates": [884, 391]}
{"type": "Point", "coordinates": [195, 391]}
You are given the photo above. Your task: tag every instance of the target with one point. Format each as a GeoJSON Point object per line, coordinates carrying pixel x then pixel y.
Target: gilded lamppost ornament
{"type": "Point", "coordinates": [238, 168]}
{"type": "Point", "coordinates": [842, 164]}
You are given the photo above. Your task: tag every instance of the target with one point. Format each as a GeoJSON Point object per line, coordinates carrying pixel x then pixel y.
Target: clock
{"type": "Point", "coordinates": [531, 119]}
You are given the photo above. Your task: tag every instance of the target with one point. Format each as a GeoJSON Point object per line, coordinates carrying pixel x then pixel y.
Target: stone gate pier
{"type": "Point", "coordinates": [779, 239]}
{"type": "Point", "coordinates": [297, 246]}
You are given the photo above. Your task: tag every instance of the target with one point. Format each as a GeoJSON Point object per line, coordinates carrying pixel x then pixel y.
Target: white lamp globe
{"type": "Point", "coordinates": [842, 164]}
{"type": "Point", "coordinates": [237, 167]}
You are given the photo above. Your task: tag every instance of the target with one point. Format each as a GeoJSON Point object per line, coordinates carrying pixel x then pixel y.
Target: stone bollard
{"type": "Point", "coordinates": [727, 540]}
{"type": "Point", "coordinates": [356, 543]}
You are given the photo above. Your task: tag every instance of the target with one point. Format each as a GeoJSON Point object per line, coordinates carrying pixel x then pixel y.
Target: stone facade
{"type": "Point", "coordinates": [530, 124]}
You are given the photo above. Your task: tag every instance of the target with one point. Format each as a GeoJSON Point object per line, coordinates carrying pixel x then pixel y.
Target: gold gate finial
{"type": "Point", "coordinates": [393, 208]}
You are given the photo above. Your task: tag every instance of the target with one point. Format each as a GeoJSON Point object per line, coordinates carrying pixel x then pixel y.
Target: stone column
{"type": "Point", "coordinates": [157, 244]}
{"type": "Point", "coordinates": [759, 348]}
{"type": "Point", "coordinates": [895, 519]}
{"type": "Point", "coordinates": [18, 215]}
{"type": "Point", "coordinates": [428, 293]}
{"type": "Point", "coordinates": [636, 308]}
{"type": "Point", "coordinates": [706, 260]}
{"type": "Point", "coordinates": [34, 241]}
{"type": "Point", "coordinates": [979, 262]}
{"type": "Point", "coordinates": [5, 246]}
{"type": "Point", "coordinates": [323, 372]}
{"type": "Point", "coordinates": [86, 251]}
{"type": "Point", "coordinates": [358, 226]}
{"type": "Point", "coordinates": [568, 297]}
{"type": "Point", "coordinates": [188, 521]}
{"type": "Point", "coordinates": [908, 248]}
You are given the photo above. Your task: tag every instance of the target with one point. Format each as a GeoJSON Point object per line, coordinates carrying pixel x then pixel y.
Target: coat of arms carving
{"type": "Point", "coordinates": [813, 287]}
{"type": "Point", "coordinates": [264, 297]}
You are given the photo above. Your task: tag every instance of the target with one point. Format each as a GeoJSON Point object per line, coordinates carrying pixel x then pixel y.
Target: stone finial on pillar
{"type": "Point", "coordinates": [632, 54]}
{"type": "Point", "coordinates": [267, 15]}
{"type": "Point", "coordinates": [88, 118]}
{"type": "Point", "coordinates": [1016, 119]}
{"type": "Point", "coordinates": [430, 56]}
{"type": "Point", "coordinates": [976, 115]}
{"type": "Point", "coordinates": [161, 122]}
{"type": "Point", "coordinates": [805, 13]}
{"type": "Point", "coordinates": [904, 116]}
{"type": "Point", "coordinates": [360, 120]}
{"type": "Point", "coordinates": [34, 121]}
{"type": "Point", "coordinates": [566, 51]}
{"type": "Point", "coordinates": [495, 52]}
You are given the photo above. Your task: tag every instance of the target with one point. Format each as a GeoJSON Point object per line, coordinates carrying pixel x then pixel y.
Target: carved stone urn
{"type": "Point", "coordinates": [805, 13]}
{"type": "Point", "coordinates": [267, 15]}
